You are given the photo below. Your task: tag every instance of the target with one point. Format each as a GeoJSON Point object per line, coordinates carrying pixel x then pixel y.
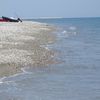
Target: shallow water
{"type": "Point", "coordinates": [77, 77]}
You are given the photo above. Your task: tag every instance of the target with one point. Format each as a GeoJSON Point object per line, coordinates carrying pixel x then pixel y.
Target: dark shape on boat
{"type": "Point", "coordinates": [7, 19]}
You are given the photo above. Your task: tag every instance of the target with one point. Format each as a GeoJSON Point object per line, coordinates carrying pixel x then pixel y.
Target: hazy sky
{"type": "Point", "coordinates": [50, 8]}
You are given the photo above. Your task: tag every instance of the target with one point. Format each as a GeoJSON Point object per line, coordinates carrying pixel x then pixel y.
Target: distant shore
{"type": "Point", "coordinates": [24, 45]}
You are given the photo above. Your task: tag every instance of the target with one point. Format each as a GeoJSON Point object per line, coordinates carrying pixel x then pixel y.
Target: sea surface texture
{"type": "Point", "coordinates": [76, 76]}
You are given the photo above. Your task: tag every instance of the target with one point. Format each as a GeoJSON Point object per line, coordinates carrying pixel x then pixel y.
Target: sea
{"type": "Point", "coordinates": [75, 77]}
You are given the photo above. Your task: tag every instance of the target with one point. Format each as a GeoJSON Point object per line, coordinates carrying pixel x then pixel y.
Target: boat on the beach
{"type": "Point", "coordinates": [3, 20]}
{"type": "Point", "coordinates": [8, 19]}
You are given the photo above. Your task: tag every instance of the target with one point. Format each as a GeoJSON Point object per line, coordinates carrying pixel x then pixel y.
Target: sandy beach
{"type": "Point", "coordinates": [24, 45]}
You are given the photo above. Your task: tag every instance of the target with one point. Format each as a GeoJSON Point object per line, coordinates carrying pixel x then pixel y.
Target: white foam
{"type": "Point", "coordinates": [64, 31]}
{"type": "Point", "coordinates": [24, 70]}
{"type": "Point", "coordinates": [63, 34]}
{"type": "Point", "coordinates": [5, 80]}
{"type": "Point", "coordinates": [72, 28]}
{"type": "Point", "coordinates": [1, 80]}
{"type": "Point", "coordinates": [9, 79]}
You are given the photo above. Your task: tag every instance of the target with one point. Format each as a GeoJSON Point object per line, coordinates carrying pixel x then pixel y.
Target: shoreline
{"type": "Point", "coordinates": [24, 44]}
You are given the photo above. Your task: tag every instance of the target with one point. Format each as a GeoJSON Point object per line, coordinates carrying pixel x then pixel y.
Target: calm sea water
{"type": "Point", "coordinates": [77, 77]}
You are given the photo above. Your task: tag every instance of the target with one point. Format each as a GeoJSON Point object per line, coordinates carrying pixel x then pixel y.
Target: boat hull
{"type": "Point", "coordinates": [9, 19]}
{"type": "Point", "coordinates": [3, 20]}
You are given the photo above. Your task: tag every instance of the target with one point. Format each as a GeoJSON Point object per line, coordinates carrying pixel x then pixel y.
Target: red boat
{"type": "Point", "coordinates": [7, 19]}
{"type": "Point", "coordinates": [3, 20]}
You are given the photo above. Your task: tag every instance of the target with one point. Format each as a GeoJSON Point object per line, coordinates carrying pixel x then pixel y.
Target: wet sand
{"type": "Point", "coordinates": [24, 45]}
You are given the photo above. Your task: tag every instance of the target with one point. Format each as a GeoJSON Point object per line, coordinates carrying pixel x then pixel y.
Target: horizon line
{"type": "Point", "coordinates": [58, 17]}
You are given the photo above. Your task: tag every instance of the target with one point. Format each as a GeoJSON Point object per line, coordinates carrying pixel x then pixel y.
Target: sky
{"type": "Point", "coordinates": [50, 8]}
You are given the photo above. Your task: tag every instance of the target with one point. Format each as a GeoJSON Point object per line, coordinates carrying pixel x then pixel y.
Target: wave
{"type": "Point", "coordinates": [1, 79]}
{"type": "Point", "coordinates": [15, 77]}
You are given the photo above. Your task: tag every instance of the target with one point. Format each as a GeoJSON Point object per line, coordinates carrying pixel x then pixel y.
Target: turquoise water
{"type": "Point", "coordinates": [77, 77]}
